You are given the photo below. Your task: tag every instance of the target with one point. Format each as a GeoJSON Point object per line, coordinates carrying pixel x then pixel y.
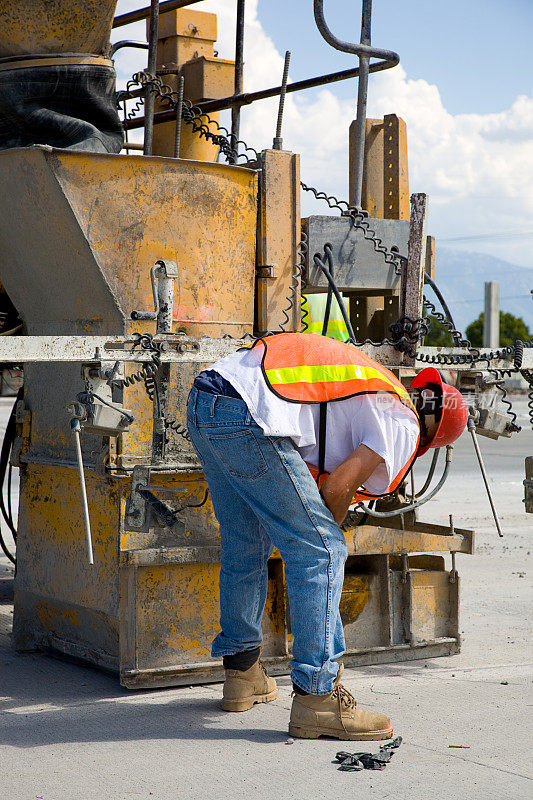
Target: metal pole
{"type": "Point", "coordinates": [75, 426]}
{"type": "Point", "coordinates": [360, 122]}
{"type": "Point", "coordinates": [491, 315]}
{"type": "Point", "coordinates": [144, 13]}
{"type": "Point", "coordinates": [179, 109]}
{"type": "Point", "coordinates": [278, 141]}
{"type": "Point", "coordinates": [251, 97]}
{"type": "Point", "coordinates": [239, 68]}
{"type": "Point", "coordinates": [472, 429]}
{"type": "Point", "coordinates": [149, 96]}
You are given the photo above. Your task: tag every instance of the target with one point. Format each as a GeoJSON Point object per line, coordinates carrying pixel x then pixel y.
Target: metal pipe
{"type": "Point", "coordinates": [179, 110]}
{"type": "Point", "coordinates": [144, 13]}
{"type": "Point", "coordinates": [76, 428]}
{"type": "Point", "coordinates": [239, 69]}
{"type": "Point", "coordinates": [149, 95]}
{"type": "Point", "coordinates": [412, 506]}
{"type": "Point", "coordinates": [472, 429]}
{"type": "Point", "coordinates": [252, 97]}
{"type": "Point", "coordinates": [278, 141]}
{"type": "Point", "coordinates": [360, 49]}
{"type": "Point", "coordinates": [127, 43]}
{"type": "Point", "coordinates": [360, 121]}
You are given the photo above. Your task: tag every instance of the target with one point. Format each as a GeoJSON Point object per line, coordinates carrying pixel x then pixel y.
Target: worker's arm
{"type": "Point", "coordinates": [339, 487]}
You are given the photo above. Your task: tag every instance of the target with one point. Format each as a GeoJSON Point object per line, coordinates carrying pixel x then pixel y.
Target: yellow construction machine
{"type": "Point", "coordinates": [134, 270]}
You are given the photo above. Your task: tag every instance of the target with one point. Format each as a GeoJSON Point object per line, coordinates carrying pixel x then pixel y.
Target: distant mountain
{"type": "Point", "coordinates": [461, 277]}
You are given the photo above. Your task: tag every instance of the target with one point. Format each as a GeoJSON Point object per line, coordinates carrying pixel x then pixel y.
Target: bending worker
{"type": "Point", "coordinates": [262, 421]}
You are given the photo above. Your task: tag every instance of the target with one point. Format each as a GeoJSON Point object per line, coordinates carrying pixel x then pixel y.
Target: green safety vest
{"type": "Point", "coordinates": [313, 310]}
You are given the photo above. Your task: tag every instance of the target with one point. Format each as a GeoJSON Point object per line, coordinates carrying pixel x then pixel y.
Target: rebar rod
{"type": "Point", "coordinates": [278, 141]}
{"type": "Point", "coordinates": [179, 110]}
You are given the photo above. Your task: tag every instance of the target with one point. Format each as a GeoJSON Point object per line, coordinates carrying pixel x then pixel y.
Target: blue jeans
{"type": "Point", "coordinates": [264, 497]}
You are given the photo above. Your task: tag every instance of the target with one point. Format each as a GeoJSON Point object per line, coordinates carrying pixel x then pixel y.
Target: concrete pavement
{"type": "Point", "coordinates": [71, 733]}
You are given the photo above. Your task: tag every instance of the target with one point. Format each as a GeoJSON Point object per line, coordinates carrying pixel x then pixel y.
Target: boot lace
{"type": "Point", "coordinates": [345, 698]}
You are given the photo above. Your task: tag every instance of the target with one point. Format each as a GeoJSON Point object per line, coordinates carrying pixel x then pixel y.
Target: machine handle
{"type": "Point", "coordinates": [76, 429]}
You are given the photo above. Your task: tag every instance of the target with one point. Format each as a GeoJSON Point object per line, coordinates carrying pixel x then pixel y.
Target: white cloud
{"type": "Point", "coordinates": [476, 168]}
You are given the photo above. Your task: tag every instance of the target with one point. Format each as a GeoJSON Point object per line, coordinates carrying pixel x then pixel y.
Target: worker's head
{"type": "Point", "coordinates": [441, 408]}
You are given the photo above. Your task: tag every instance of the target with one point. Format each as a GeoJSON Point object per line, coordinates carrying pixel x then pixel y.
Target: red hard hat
{"type": "Point", "coordinates": [454, 409]}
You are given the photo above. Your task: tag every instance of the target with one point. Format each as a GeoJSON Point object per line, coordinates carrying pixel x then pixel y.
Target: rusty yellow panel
{"type": "Point", "coordinates": [55, 26]}
{"type": "Point", "coordinates": [361, 611]}
{"type": "Point", "coordinates": [177, 614]}
{"type": "Point", "coordinates": [51, 547]}
{"type": "Point", "coordinates": [135, 210]}
{"type": "Point", "coordinates": [176, 50]}
{"type": "Point", "coordinates": [434, 605]}
{"type": "Point", "coordinates": [208, 78]}
{"type": "Point", "coordinates": [279, 235]}
{"type": "Point", "coordinates": [385, 191]}
{"type": "Point", "coordinates": [373, 167]}
{"type": "Point", "coordinates": [188, 23]}
{"type": "Point", "coordinates": [192, 146]}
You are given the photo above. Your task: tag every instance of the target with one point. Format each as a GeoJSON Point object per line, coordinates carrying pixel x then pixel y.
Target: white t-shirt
{"type": "Point", "coordinates": [379, 421]}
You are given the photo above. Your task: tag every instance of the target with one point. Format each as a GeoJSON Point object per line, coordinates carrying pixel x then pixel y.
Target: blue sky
{"type": "Point", "coordinates": [478, 52]}
{"type": "Point", "coordinates": [464, 87]}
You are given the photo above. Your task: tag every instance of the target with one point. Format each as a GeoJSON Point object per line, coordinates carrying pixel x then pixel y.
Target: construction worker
{"type": "Point", "coordinates": [261, 419]}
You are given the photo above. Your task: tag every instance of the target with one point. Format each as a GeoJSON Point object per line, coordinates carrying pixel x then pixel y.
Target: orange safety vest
{"type": "Point", "coordinates": [309, 368]}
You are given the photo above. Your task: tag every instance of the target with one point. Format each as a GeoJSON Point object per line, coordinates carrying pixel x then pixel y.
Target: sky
{"type": "Point", "coordinates": [464, 86]}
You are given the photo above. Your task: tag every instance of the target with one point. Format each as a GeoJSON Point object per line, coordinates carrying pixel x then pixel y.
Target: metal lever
{"type": "Point", "coordinates": [76, 429]}
{"type": "Point", "coordinates": [472, 429]}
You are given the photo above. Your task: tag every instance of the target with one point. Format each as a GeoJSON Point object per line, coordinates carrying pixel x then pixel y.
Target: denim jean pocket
{"type": "Point", "coordinates": [240, 453]}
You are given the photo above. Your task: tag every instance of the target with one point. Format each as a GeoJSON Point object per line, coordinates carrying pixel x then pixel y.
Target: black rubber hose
{"type": "Point", "coordinates": [442, 301]}
{"type": "Point", "coordinates": [338, 297]}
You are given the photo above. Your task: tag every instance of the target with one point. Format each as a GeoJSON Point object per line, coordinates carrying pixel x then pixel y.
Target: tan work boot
{"type": "Point", "coordinates": [244, 688]}
{"type": "Point", "coordinates": [337, 715]}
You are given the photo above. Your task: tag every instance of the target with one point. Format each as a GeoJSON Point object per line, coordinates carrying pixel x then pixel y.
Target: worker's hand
{"type": "Point", "coordinates": [339, 487]}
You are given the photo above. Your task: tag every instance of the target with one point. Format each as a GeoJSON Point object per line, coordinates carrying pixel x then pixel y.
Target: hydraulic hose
{"type": "Point", "coordinates": [412, 506]}
{"type": "Point", "coordinates": [338, 297]}
{"type": "Point", "coordinates": [430, 473]}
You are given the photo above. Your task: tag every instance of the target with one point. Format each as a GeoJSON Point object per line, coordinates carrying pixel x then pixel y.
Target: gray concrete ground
{"type": "Point", "coordinates": [71, 733]}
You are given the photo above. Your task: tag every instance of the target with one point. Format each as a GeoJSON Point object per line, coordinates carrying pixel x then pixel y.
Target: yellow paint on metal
{"type": "Point", "coordinates": [355, 595]}
{"type": "Point", "coordinates": [30, 27]}
{"type": "Point", "coordinates": [177, 612]}
{"type": "Point", "coordinates": [208, 78]}
{"type": "Point", "coordinates": [385, 191]}
{"type": "Point", "coordinates": [48, 616]}
{"type": "Point", "coordinates": [279, 235]}
{"type": "Point", "coordinates": [189, 23]}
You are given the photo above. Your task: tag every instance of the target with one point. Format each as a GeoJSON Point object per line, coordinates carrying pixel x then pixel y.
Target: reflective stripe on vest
{"type": "Point", "coordinates": [306, 368]}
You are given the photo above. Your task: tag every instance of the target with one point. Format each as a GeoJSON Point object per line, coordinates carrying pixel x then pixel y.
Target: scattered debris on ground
{"type": "Point", "coordinates": [353, 762]}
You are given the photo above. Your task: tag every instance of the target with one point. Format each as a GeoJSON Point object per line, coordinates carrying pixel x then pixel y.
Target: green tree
{"type": "Point", "coordinates": [439, 335]}
{"type": "Point", "coordinates": [511, 329]}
